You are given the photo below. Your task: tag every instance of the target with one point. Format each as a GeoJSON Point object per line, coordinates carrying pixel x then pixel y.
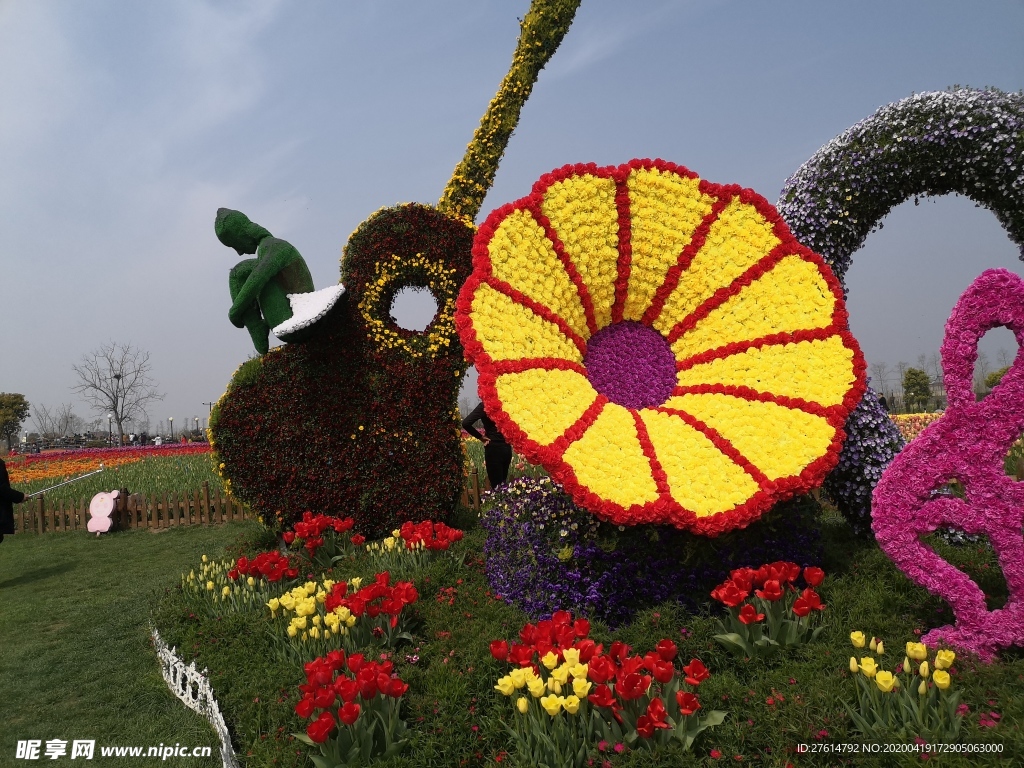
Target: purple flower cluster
{"type": "Point", "coordinates": [963, 140]}
{"type": "Point", "coordinates": [872, 442]}
{"type": "Point", "coordinates": [544, 554]}
{"type": "Point", "coordinates": [631, 364]}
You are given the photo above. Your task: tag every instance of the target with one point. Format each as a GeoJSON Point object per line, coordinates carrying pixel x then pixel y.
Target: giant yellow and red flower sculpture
{"type": "Point", "coordinates": [662, 345]}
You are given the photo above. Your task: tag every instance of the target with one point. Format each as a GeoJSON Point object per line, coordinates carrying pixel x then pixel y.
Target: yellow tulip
{"type": "Point", "coordinates": [552, 704]}
{"type": "Point", "coordinates": [292, 632]}
{"type": "Point", "coordinates": [857, 638]}
{"type": "Point", "coordinates": [579, 670]}
{"type": "Point", "coordinates": [550, 660]}
{"type": "Point", "coordinates": [505, 685]}
{"type": "Point", "coordinates": [251, 581]}
{"type": "Point", "coordinates": [868, 666]}
{"type": "Point", "coordinates": [922, 689]}
{"type": "Point", "coordinates": [561, 673]}
{"type": "Point", "coordinates": [522, 705]}
{"type": "Point", "coordinates": [518, 677]}
{"type": "Point", "coordinates": [917, 651]}
{"type": "Point", "coordinates": [581, 687]}
{"type": "Point", "coordinates": [923, 669]}
{"type": "Point", "coordinates": [944, 659]}
{"type": "Point", "coordinates": [571, 704]}
{"type": "Point", "coordinates": [314, 632]}
{"type": "Point", "coordinates": [880, 649]}
{"type": "Point", "coordinates": [554, 686]}
{"type": "Point", "coordinates": [906, 665]}
{"type": "Point", "coordinates": [316, 620]}
{"type": "Point", "coordinates": [873, 645]}
{"type": "Point", "coordinates": [571, 656]}
{"type": "Point", "coordinates": [209, 586]}
{"type": "Point", "coordinates": [885, 681]}
{"type": "Point", "coordinates": [941, 678]}
{"type": "Point", "coordinates": [536, 687]}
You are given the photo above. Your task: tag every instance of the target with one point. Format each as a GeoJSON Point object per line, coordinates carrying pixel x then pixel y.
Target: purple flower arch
{"type": "Point", "coordinates": [965, 141]}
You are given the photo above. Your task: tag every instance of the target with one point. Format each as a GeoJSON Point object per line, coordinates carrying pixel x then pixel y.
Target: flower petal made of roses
{"type": "Point", "coordinates": [664, 210]}
{"type": "Point", "coordinates": [610, 462]}
{"type": "Point", "coordinates": [792, 296]}
{"type": "Point", "coordinates": [777, 440]}
{"type": "Point", "coordinates": [701, 478]}
{"type": "Point", "coordinates": [509, 331]}
{"type": "Point", "coordinates": [523, 257]}
{"type": "Point", "coordinates": [582, 213]}
{"type": "Point", "coordinates": [818, 371]}
{"type": "Point", "coordinates": [544, 402]}
{"type": "Point", "coordinates": [736, 241]}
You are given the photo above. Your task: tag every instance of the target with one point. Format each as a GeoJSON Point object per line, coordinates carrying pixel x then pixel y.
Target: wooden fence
{"type": "Point", "coordinates": [134, 510]}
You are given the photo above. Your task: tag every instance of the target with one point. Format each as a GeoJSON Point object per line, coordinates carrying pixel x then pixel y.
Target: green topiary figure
{"type": "Point", "coordinates": [361, 418]}
{"type": "Point", "coordinates": [274, 291]}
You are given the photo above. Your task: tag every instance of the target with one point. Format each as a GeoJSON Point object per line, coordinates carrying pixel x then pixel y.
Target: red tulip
{"type": "Point", "coordinates": [320, 729]}
{"type": "Point", "coordinates": [602, 697]}
{"type": "Point", "coordinates": [813, 576]}
{"type": "Point", "coordinates": [749, 615]}
{"type": "Point", "coordinates": [729, 594]}
{"type": "Point", "coordinates": [666, 649]}
{"type": "Point", "coordinates": [696, 672]}
{"type": "Point", "coordinates": [743, 578]}
{"type": "Point", "coordinates": [349, 713]}
{"type": "Point", "coordinates": [601, 669]}
{"type": "Point", "coordinates": [644, 726]}
{"type": "Point", "coordinates": [633, 686]}
{"type": "Point", "coordinates": [305, 707]}
{"type": "Point", "coordinates": [289, 537]}
{"type": "Point", "coordinates": [772, 590]}
{"type": "Point", "coordinates": [800, 607]}
{"type": "Point", "coordinates": [812, 599]}
{"type": "Point", "coordinates": [581, 627]}
{"type": "Point", "coordinates": [499, 649]}
{"type": "Point", "coordinates": [688, 703]}
{"type": "Point", "coordinates": [618, 651]}
{"type": "Point", "coordinates": [323, 698]}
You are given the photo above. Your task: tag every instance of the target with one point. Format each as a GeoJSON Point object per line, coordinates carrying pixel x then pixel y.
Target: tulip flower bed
{"type": "Point", "coordinates": [150, 469]}
{"type": "Point", "coordinates": [451, 692]}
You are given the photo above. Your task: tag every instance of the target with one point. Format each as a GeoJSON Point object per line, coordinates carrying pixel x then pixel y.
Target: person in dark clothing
{"type": "Point", "coordinates": [497, 452]}
{"type": "Point", "coordinates": [8, 498]}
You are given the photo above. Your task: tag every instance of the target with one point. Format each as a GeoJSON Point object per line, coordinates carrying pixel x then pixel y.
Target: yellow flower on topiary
{"type": "Point", "coordinates": [661, 345]}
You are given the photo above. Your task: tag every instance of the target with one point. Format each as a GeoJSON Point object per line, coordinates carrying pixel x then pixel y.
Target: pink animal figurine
{"type": "Point", "coordinates": [100, 509]}
{"type": "Point", "coordinates": [968, 444]}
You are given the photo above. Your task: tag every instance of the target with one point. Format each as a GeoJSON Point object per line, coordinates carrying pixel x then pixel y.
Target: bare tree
{"type": "Point", "coordinates": [982, 368]}
{"type": "Point", "coordinates": [882, 374]}
{"type": "Point", "coordinates": [1004, 357]}
{"type": "Point", "coordinates": [68, 422]}
{"type": "Point", "coordinates": [114, 379]}
{"type": "Point", "coordinates": [44, 421]}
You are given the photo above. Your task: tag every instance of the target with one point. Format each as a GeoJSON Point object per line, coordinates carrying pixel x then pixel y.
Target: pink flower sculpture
{"type": "Point", "coordinates": [967, 444]}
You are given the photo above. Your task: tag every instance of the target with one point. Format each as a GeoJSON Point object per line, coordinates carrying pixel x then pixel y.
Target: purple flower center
{"type": "Point", "coordinates": [630, 364]}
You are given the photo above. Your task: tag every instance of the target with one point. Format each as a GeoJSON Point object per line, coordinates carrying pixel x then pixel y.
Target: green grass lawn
{"type": "Point", "coordinates": [76, 661]}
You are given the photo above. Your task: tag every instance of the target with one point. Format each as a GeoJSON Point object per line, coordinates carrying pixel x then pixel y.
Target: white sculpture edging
{"type": "Point", "coordinates": [191, 686]}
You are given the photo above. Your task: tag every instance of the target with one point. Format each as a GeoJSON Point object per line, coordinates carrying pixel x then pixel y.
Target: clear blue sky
{"type": "Point", "coordinates": [125, 126]}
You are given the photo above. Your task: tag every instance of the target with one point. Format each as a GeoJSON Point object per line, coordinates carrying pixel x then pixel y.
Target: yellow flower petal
{"type": "Point", "coordinates": [545, 403]}
{"type": "Point", "coordinates": [508, 330]}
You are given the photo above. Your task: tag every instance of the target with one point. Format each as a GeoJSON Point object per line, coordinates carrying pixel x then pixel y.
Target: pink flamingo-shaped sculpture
{"type": "Point", "coordinates": [968, 444]}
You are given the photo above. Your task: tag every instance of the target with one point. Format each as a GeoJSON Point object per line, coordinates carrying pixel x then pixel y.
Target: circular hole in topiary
{"type": "Point", "coordinates": [413, 308]}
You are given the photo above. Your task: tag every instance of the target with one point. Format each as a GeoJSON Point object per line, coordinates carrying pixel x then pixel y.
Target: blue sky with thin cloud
{"type": "Point", "coordinates": [126, 125]}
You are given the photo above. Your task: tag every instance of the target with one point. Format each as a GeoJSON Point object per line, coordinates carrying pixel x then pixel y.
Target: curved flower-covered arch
{"type": "Point", "coordinates": [661, 344]}
{"type": "Point", "coordinates": [966, 141]}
